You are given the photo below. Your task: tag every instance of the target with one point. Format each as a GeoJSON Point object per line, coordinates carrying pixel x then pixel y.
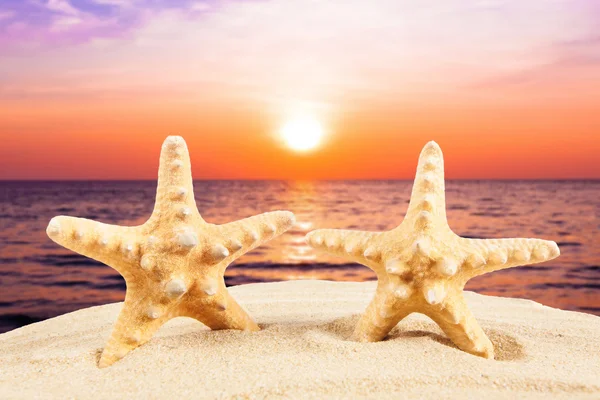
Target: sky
{"type": "Point", "coordinates": [510, 89]}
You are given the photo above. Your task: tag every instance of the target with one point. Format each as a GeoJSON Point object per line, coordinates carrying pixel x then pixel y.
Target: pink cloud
{"type": "Point", "coordinates": [62, 6]}
{"type": "Point", "coordinates": [4, 15]}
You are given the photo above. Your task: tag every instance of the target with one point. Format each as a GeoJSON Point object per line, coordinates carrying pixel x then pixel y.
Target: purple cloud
{"type": "Point", "coordinates": [34, 23]}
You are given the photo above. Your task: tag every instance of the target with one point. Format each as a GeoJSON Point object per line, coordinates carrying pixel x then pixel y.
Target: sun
{"type": "Point", "coordinates": [302, 134]}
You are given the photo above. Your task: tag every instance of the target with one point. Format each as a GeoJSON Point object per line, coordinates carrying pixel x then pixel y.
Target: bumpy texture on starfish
{"type": "Point", "coordinates": [422, 266]}
{"type": "Point", "coordinates": [174, 263]}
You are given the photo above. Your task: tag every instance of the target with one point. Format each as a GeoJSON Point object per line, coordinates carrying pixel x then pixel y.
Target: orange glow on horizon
{"type": "Point", "coordinates": [99, 142]}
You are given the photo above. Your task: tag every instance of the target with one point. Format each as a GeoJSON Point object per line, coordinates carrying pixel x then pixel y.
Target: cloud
{"type": "Point", "coordinates": [300, 50]}
{"type": "Point", "coordinates": [118, 3]}
{"type": "Point", "coordinates": [200, 6]}
{"type": "Point", "coordinates": [65, 23]}
{"type": "Point", "coordinates": [4, 15]}
{"type": "Point", "coordinates": [62, 6]}
{"type": "Point", "coordinates": [576, 57]}
{"type": "Point", "coordinates": [587, 43]}
{"type": "Point", "coordinates": [581, 52]}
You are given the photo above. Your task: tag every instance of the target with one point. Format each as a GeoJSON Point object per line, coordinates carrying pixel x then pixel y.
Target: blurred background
{"type": "Point", "coordinates": [320, 108]}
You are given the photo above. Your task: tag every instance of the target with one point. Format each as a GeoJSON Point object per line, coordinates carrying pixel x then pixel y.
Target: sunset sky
{"type": "Point", "coordinates": [90, 88]}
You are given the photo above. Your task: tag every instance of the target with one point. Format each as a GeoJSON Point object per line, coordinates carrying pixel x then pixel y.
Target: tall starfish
{"type": "Point", "coordinates": [174, 263]}
{"type": "Point", "coordinates": [422, 266]}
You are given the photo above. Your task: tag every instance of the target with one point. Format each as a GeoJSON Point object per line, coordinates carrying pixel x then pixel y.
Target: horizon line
{"type": "Point", "coordinates": [597, 179]}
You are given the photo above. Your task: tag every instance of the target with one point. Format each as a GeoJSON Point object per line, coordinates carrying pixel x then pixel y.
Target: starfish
{"type": "Point", "coordinates": [422, 266]}
{"type": "Point", "coordinates": [174, 263]}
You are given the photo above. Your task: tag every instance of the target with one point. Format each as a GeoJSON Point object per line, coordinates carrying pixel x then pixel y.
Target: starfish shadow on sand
{"type": "Point", "coordinates": [506, 346]}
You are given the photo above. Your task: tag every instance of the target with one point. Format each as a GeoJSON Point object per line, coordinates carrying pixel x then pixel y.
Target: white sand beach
{"type": "Point", "coordinates": [303, 352]}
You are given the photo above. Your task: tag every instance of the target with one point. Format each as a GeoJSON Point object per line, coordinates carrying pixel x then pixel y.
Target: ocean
{"type": "Point", "coordinates": [39, 279]}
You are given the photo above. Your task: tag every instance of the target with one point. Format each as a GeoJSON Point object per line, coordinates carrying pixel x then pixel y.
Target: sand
{"type": "Point", "coordinates": [302, 352]}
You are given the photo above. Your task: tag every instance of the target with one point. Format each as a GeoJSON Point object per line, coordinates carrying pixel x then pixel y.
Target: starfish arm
{"type": "Point", "coordinates": [175, 185]}
{"type": "Point", "coordinates": [136, 324]}
{"type": "Point", "coordinates": [488, 255]}
{"type": "Point", "coordinates": [232, 240]}
{"type": "Point", "coordinates": [110, 244]}
{"type": "Point", "coordinates": [428, 195]}
{"type": "Point", "coordinates": [219, 311]}
{"type": "Point", "coordinates": [379, 318]}
{"type": "Point", "coordinates": [358, 246]}
{"type": "Point", "coordinates": [459, 324]}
